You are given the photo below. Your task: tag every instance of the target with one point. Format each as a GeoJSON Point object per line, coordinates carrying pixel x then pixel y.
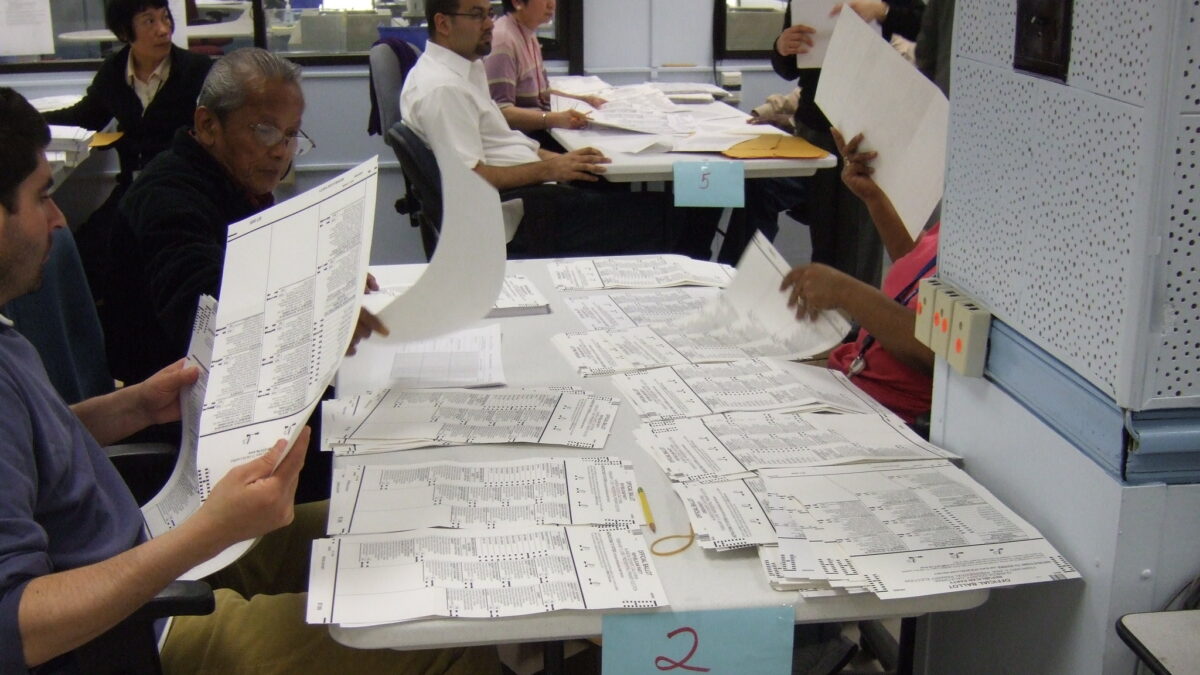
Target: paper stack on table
{"type": "Point", "coordinates": [749, 319]}
{"type": "Point", "coordinates": [734, 443]}
{"type": "Point", "coordinates": [73, 142]}
{"type": "Point", "coordinates": [484, 495]}
{"type": "Point", "coordinates": [600, 311]}
{"type": "Point", "coordinates": [396, 419]}
{"type": "Point", "coordinates": [637, 271]}
{"type": "Point", "coordinates": [904, 529]}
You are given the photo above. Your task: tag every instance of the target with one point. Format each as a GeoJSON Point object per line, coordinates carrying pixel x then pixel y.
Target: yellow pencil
{"type": "Point", "coordinates": [646, 509]}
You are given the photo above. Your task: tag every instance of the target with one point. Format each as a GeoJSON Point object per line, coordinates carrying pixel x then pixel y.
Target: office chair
{"type": "Point", "coordinates": [131, 647]}
{"type": "Point", "coordinates": [423, 201]}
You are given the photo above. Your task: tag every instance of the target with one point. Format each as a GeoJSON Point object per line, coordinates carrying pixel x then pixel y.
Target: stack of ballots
{"type": "Point", "coordinates": [402, 419]}
{"type": "Point", "coordinates": [69, 143]}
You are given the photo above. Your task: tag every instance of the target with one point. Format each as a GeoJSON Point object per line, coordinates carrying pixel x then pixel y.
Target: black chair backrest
{"type": "Point", "coordinates": [425, 180]}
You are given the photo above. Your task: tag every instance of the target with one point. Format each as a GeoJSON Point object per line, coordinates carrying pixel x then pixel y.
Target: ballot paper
{"type": "Point", "coordinates": [484, 495]}
{"type": "Point", "coordinates": [867, 87]}
{"type": "Point", "coordinates": [463, 279]}
{"type": "Point", "coordinates": [292, 281]}
{"type": "Point", "coordinates": [638, 308]}
{"type": "Point", "coordinates": [518, 296]}
{"type": "Point", "coordinates": [732, 443]}
{"type": "Point", "coordinates": [637, 271]}
{"type": "Point", "coordinates": [386, 578]}
{"type": "Point", "coordinates": [578, 85]}
{"type": "Point", "coordinates": [729, 514]}
{"type": "Point", "coordinates": [45, 104]}
{"type": "Point", "coordinates": [395, 419]}
{"type": "Point", "coordinates": [754, 384]}
{"type": "Point", "coordinates": [749, 319]}
{"type": "Point", "coordinates": [913, 528]}
{"type": "Point", "coordinates": [465, 358]}
{"type": "Point", "coordinates": [815, 14]}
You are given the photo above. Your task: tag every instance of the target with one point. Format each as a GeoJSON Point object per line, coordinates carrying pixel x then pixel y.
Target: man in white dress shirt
{"type": "Point", "coordinates": [445, 100]}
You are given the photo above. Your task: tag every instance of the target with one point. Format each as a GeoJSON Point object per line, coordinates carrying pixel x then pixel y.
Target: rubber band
{"type": "Point", "coordinates": [690, 537]}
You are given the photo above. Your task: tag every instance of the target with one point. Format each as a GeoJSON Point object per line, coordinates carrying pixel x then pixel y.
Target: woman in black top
{"type": "Point", "coordinates": [150, 87]}
{"type": "Point", "coordinates": [145, 26]}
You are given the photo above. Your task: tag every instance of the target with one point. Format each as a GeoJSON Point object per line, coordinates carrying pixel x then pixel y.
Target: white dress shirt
{"type": "Point", "coordinates": [446, 101]}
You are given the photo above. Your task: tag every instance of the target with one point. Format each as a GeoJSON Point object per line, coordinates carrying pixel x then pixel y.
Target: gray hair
{"type": "Point", "coordinates": [234, 75]}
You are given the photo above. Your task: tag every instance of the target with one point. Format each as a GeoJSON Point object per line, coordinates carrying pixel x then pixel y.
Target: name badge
{"type": "Point", "coordinates": [721, 184]}
{"type": "Point", "coordinates": [745, 641]}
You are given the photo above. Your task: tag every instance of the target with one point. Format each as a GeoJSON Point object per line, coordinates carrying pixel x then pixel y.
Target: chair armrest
{"type": "Point", "coordinates": [179, 598]}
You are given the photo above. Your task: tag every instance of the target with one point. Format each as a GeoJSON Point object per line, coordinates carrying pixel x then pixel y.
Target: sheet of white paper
{"type": "Point", "coordinates": [578, 84]}
{"type": "Point", "coordinates": [637, 271]}
{"type": "Point", "coordinates": [919, 528]}
{"type": "Point", "coordinates": [755, 384]}
{"type": "Point", "coordinates": [402, 419]}
{"type": "Point", "coordinates": [638, 308]}
{"type": "Point", "coordinates": [488, 495]}
{"type": "Point", "coordinates": [868, 88]}
{"type": "Point", "coordinates": [815, 15]}
{"type": "Point", "coordinates": [386, 578]}
{"type": "Point", "coordinates": [44, 104]}
{"type": "Point", "coordinates": [25, 28]}
{"type": "Point", "coordinates": [465, 358]}
{"type": "Point", "coordinates": [463, 279]}
{"type": "Point", "coordinates": [728, 514]}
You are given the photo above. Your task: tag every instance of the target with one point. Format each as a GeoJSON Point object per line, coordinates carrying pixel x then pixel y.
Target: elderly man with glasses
{"type": "Point", "coordinates": [171, 234]}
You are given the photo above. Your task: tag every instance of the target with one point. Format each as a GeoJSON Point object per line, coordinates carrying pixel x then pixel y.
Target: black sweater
{"type": "Point", "coordinates": [171, 239]}
{"type": "Point", "coordinates": [110, 96]}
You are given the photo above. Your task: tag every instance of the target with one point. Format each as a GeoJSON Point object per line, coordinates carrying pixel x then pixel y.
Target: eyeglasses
{"type": "Point", "coordinates": [270, 136]}
{"type": "Point", "coordinates": [478, 14]}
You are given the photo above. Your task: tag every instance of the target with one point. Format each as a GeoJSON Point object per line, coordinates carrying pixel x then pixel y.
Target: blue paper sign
{"type": "Point", "coordinates": [721, 642]}
{"type": "Point", "coordinates": [717, 183]}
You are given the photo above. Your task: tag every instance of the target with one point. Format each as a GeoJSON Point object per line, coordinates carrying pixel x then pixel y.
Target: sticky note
{"type": "Point", "coordinates": [754, 641]}
{"type": "Point", "coordinates": [718, 183]}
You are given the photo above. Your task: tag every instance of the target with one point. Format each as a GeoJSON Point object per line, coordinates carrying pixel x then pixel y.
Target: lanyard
{"type": "Point", "coordinates": [904, 297]}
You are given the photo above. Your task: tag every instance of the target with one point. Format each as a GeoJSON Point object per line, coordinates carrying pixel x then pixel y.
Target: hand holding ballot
{"type": "Point", "coordinates": [794, 40]}
{"type": "Point", "coordinates": [254, 498]}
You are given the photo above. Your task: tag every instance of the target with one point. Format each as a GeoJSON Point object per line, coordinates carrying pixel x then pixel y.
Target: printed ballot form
{"type": "Point", "coordinates": [484, 495]}
{"type": "Point", "coordinates": [733, 443]}
{"type": "Point", "coordinates": [637, 271]}
{"type": "Point", "coordinates": [727, 514]}
{"type": "Point", "coordinates": [753, 384]}
{"type": "Point", "coordinates": [749, 319]}
{"type": "Point", "coordinates": [385, 578]}
{"type": "Point", "coordinates": [396, 419]}
{"type": "Point", "coordinates": [293, 280]}
{"type": "Point", "coordinates": [904, 529]}
{"type": "Point", "coordinates": [639, 308]}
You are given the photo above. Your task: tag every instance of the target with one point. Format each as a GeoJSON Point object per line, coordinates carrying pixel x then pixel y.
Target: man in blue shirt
{"type": "Point", "coordinates": [74, 561]}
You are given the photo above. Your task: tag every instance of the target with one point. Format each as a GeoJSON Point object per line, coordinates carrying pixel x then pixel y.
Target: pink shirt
{"type": "Point", "coordinates": [903, 390]}
{"type": "Point", "coordinates": [515, 71]}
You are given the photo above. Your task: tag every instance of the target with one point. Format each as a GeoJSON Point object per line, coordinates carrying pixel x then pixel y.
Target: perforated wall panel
{"type": "Point", "coordinates": [983, 31]}
{"type": "Point", "coordinates": [1176, 366]}
{"type": "Point", "coordinates": [1190, 61]}
{"type": "Point", "coordinates": [1039, 210]}
{"type": "Point", "coordinates": [1111, 51]}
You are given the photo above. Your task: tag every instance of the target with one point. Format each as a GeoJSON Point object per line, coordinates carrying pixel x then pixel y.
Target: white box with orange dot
{"type": "Point", "coordinates": [943, 311]}
{"type": "Point", "coordinates": [969, 327]}
{"type": "Point", "coordinates": [924, 309]}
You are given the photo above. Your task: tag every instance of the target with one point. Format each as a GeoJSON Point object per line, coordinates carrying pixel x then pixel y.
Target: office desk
{"type": "Point", "coordinates": [1167, 642]}
{"type": "Point", "coordinates": [657, 166]}
{"type": "Point", "coordinates": [694, 580]}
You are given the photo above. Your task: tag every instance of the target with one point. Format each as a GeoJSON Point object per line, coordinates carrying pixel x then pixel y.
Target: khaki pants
{"type": "Point", "coordinates": [258, 625]}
